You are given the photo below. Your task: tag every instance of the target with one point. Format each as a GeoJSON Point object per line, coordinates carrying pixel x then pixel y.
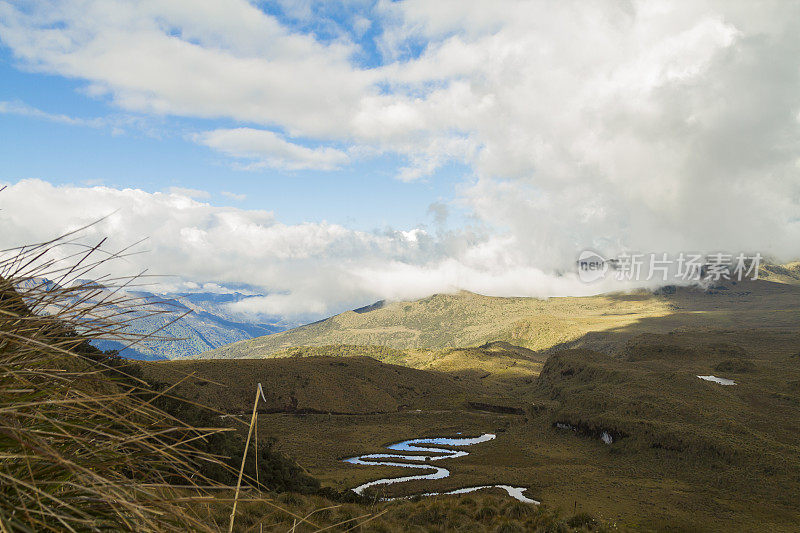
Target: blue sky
{"type": "Point", "coordinates": [155, 154]}
{"type": "Point", "coordinates": [336, 153]}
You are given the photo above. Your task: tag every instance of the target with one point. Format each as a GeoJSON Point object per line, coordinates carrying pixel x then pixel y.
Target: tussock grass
{"type": "Point", "coordinates": [84, 442]}
{"type": "Point", "coordinates": [475, 513]}
{"type": "Point", "coordinates": [81, 449]}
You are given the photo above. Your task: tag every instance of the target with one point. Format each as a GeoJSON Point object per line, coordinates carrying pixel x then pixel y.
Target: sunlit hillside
{"type": "Point", "coordinates": [464, 319]}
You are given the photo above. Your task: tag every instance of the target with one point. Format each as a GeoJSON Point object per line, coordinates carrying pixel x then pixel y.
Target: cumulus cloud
{"type": "Point", "coordinates": [307, 269]}
{"type": "Point", "coordinates": [206, 59]}
{"type": "Point", "coordinates": [651, 126]}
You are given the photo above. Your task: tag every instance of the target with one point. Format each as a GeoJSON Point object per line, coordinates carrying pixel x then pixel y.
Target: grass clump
{"type": "Point", "coordinates": [736, 366]}
{"type": "Point", "coordinates": [81, 449]}
{"type": "Point", "coordinates": [440, 513]}
{"type": "Point", "coordinates": [584, 520]}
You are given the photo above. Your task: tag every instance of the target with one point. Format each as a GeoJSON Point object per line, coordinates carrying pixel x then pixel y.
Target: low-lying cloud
{"type": "Point", "coordinates": [650, 126]}
{"type": "Point", "coordinates": [307, 269]}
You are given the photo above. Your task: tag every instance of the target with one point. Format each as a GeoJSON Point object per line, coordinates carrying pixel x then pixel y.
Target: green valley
{"type": "Point", "coordinates": [683, 453]}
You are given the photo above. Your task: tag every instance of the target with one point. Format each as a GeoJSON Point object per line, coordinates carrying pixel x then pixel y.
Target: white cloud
{"type": "Point", "coordinates": [361, 25]}
{"type": "Point", "coordinates": [658, 126]}
{"type": "Point", "coordinates": [189, 193]}
{"type": "Point", "coordinates": [22, 109]}
{"type": "Point", "coordinates": [116, 124]}
{"type": "Point", "coordinates": [207, 59]}
{"type": "Point", "coordinates": [282, 305]}
{"type": "Point", "coordinates": [266, 148]}
{"type": "Point", "coordinates": [307, 269]}
{"type": "Point", "coordinates": [234, 196]}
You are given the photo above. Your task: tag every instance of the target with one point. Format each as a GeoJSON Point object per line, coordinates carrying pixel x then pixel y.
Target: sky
{"type": "Point", "coordinates": [334, 153]}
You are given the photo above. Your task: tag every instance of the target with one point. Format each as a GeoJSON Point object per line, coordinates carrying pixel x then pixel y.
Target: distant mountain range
{"type": "Point", "coordinates": [207, 322]}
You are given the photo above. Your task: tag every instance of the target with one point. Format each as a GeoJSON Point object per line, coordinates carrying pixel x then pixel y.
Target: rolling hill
{"type": "Point", "coordinates": [625, 431]}
{"type": "Point", "coordinates": [448, 321]}
{"type": "Point", "coordinates": [445, 321]}
{"type": "Point", "coordinates": [340, 385]}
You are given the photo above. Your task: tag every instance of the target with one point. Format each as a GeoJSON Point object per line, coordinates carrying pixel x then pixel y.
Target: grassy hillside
{"type": "Point", "coordinates": [473, 513]}
{"type": "Point", "coordinates": [455, 320]}
{"type": "Point", "coordinates": [93, 442]}
{"type": "Point", "coordinates": [610, 427]}
{"type": "Point", "coordinates": [788, 273]}
{"type": "Point", "coordinates": [347, 404]}
{"type": "Point", "coordinates": [446, 321]}
{"type": "Point", "coordinates": [552, 377]}
{"type": "Point", "coordinates": [309, 384]}
{"type": "Point", "coordinates": [686, 454]}
{"type": "Point", "coordinates": [495, 360]}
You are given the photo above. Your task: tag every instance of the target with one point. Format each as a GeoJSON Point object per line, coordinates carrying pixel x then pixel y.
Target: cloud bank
{"type": "Point", "coordinates": [309, 269]}
{"type": "Point", "coordinates": [651, 126]}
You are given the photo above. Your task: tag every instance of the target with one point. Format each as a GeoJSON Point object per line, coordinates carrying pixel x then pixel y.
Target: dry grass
{"type": "Point", "coordinates": [83, 446]}
{"type": "Point", "coordinates": [308, 385]}
{"type": "Point", "coordinates": [470, 513]}
{"type": "Point", "coordinates": [80, 447]}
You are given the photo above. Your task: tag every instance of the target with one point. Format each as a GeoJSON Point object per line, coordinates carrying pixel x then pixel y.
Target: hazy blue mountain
{"type": "Point", "coordinates": [185, 324]}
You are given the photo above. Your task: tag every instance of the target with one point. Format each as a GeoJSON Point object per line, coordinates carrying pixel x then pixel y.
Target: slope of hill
{"type": "Point", "coordinates": [631, 434]}
{"type": "Point", "coordinates": [309, 385]}
{"type": "Point", "coordinates": [595, 401]}
{"type": "Point", "coordinates": [446, 321]}
{"type": "Point", "coordinates": [498, 360]}
{"type": "Point", "coordinates": [203, 325]}
{"type": "Point", "coordinates": [788, 273]}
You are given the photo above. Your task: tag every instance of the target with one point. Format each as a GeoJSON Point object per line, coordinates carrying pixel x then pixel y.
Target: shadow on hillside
{"type": "Point", "coordinates": [760, 316]}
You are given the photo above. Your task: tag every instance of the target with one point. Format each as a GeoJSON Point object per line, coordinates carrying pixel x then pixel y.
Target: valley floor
{"type": "Point", "coordinates": [687, 454]}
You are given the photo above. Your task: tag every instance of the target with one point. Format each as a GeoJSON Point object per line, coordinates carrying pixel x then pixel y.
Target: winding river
{"type": "Point", "coordinates": [424, 453]}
